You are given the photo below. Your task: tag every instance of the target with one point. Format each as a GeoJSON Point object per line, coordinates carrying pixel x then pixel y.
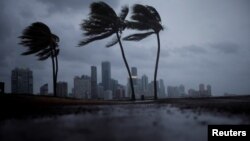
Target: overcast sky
{"type": "Point", "coordinates": [204, 41]}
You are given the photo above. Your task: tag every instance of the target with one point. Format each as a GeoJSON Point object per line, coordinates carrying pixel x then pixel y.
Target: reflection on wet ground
{"type": "Point", "coordinates": [159, 122]}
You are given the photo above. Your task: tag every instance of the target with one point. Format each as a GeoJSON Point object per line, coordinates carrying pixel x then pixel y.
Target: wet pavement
{"type": "Point", "coordinates": [149, 122]}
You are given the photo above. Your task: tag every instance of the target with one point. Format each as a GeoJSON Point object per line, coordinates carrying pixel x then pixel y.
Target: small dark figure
{"type": "Point", "coordinates": [1, 87]}
{"type": "Point", "coordinates": [142, 97]}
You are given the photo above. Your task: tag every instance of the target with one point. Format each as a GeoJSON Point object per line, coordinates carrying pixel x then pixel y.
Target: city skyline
{"type": "Point", "coordinates": [203, 42]}
{"type": "Point", "coordinates": [85, 85]}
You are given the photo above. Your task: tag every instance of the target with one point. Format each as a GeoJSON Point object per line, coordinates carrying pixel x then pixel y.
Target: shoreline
{"type": "Point", "coordinates": [24, 106]}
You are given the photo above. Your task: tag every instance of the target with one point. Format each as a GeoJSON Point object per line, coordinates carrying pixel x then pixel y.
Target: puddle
{"type": "Point", "coordinates": [117, 122]}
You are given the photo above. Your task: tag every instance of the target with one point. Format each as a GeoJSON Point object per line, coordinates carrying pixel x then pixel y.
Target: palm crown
{"type": "Point", "coordinates": [102, 23]}
{"type": "Point", "coordinates": [40, 41]}
{"type": "Point", "coordinates": [144, 18]}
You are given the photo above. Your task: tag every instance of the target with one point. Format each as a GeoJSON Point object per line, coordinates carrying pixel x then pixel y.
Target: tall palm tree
{"type": "Point", "coordinates": [102, 23]}
{"type": "Point", "coordinates": [146, 18]}
{"type": "Point", "coordinates": [40, 41]}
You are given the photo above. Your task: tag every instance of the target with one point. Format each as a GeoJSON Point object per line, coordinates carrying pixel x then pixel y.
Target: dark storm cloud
{"type": "Point", "coordinates": [190, 50]}
{"type": "Point", "coordinates": [226, 47]}
{"type": "Point", "coordinates": [5, 28]}
{"type": "Point", "coordinates": [65, 5]}
{"type": "Point", "coordinates": [204, 42]}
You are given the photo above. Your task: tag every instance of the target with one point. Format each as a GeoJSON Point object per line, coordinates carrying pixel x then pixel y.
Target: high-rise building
{"type": "Point", "coordinates": [22, 81]}
{"type": "Point", "coordinates": [202, 92]}
{"type": "Point", "coordinates": [106, 75]}
{"type": "Point", "coordinates": [144, 84]}
{"type": "Point", "coordinates": [173, 92]}
{"type": "Point", "coordinates": [137, 85]}
{"type": "Point", "coordinates": [162, 92]}
{"type": "Point", "coordinates": [62, 89]}
{"type": "Point", "coordinates": [108, 95]}
{"type": "Point", "coordinates": [209, 90]}
{"type": "Point", "coordinates": [151, 89]}
{"type": "Point", "coordinates": [94, 94]}
{"type": "Point", "coordinates": [120, 92]}
{"type": "Point", "coordinates": [44, 89]}
{"type": "Point", "coordinates": [134, 71]}
{"type": "Point", "coordinates": [182, 90]}
{"type": "Point", "coordinates": [201, 87]}
{"type": "Point", "coordinates": [100, 91]}
{"type": "Point", "coordinates": [1, 87]}
{"type": "Point", "coordinates": [82, 87]}
{"type": "Point", "coordinates": [114, 85]}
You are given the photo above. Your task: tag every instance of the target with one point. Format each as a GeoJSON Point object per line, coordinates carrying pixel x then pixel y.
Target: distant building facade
{"type": "Point", "coordinates": [114, 85]}
{"type": "Point", "coordinates": [202, 92]}
{"type": "Point", "coordinates": [94, 90]}
{"type": "Point", "coordinates": [100, 91]}
{"type": "Point", "coordinates": [119, 93]}
{"type": "Point", "coordinates": [173, 92]}
{"type": "Point", "coordinates": [106, 75]}
{"type": "Point", "coordinates": [62, 89]}
{"type": "Point", "coordinates": [82, 87]}
{"type": "Point", "coordinates": [22, 81]}
{"type": "Point", "coordinates": [108, 95]}
{"type": "Point", "coordinates": [44, 89]}
{"type": "Point", "coordinates": [162, 93]}
{"type": "Point", "coordinates": [144, 85]}
{"type": "Point", "coordinates": [138, 84]}
{"type": "Point", "coordinates": [176, 91]}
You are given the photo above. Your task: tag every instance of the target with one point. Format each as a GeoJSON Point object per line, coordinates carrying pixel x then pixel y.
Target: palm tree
{"type": "Point", "coordinates": [40, 41]}
{"type": "Point", "coordinates": [102, 23]}
{"type": "Point", "coordinates": [146, 18]}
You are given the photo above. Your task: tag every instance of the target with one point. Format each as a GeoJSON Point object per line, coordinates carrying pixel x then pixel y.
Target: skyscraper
{"type": "Point", "coordinates": [114, 85]}
{"type": "Point", "coordinates": [134, 71]}
{"type": "Point", "coordinates": [209, 90]}
{"type": "Point", "coordinates": [94, 94]}
{"type": "Point", "coordinates": [135, 82]}
{"type": "Point", "coordinates": [201, 87]}
{"type": "Point", "coordinates": [22, 81]}
{"type": "Point", "coordinates": [106, 75]}
{"type": "Point", "coordinates": [44, 90]}
{"type": "Point", "coordinates": [144, 83]}
{"type": "Point", "coordinates": [182, 90]}
{"type": "Point", "coordinates": [162, 92]}
{"type": "Point", "coordinates": [173, 91]}
{"type": "Point", "coordinates": [62, 89]}
{"type": "Point", "coordinates": [100, 91]}
{"type": "Point", "coordinates": [82, 87]}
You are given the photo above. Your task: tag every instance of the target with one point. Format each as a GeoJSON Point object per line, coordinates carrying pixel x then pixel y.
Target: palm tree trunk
{"type": "Point", "coordinates": [127, 66]}
{"type": "Point", "coordinates": [53, 73]}
{"type": "Point", "coordinates": [56, 70]}
{"type": "Point", "coordinates": [156, 66]}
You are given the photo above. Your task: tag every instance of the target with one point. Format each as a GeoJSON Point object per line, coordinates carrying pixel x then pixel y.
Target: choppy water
{"type": "Point", "coordinates": [151, 122]}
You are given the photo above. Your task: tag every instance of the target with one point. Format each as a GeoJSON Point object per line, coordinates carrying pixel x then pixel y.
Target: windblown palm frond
{"type": "Point", "coordinates": [154, 12]}
{"type": "Point", "coordinates": [102, 23]}
{"type": "Point", "coordinates": [138, 36]}
{"type": "Point", "coordinates": [145, 18]}
{"type": "Point", "coordinates": [113, 41]}
{"type": "Point", "coordinates": [38, 39]}
{"type": "Point", "coordinates": [101, 8]}
{"type": "Point", "coordinates": [124, 13]}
